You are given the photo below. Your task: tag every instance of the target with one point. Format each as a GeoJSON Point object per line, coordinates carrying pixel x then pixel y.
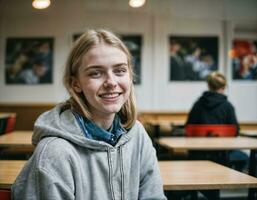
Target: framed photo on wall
{"type": "Point", "coordinates": [134, 44]}
{"type": "Point", "coordinates": [244, 59]}
{"type": "Point", "coordinates": [29, 61]}
{"type": "Point", "coordinates": [192, 58]}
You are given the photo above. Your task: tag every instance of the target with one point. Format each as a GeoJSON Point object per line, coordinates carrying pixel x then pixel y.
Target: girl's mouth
{"type": "Point", "coordinates": [111, 95]}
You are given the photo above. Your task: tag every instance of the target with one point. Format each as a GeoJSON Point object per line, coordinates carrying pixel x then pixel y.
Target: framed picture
{"type": "Point", "coordinates": [192, 58]}
{"type": "Point", "coordinates": [29, 61]}
{"type": "Point", "coordinates": [134, 44]}
{"type": "Point", "coordinates": [244, 59]}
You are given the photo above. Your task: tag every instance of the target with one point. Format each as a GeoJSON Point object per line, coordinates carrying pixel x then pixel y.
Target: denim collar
{"type": "Point", "coordinates": [93, 131]}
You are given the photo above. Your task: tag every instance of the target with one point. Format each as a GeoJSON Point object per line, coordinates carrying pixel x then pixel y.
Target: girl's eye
{"type": "Point", "coordinates": [120, 71]}
{"type": "Point", "coordinates": [95, 74]}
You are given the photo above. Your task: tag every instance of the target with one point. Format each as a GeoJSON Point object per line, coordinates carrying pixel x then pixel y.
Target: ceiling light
{"type": "Point", "coordinates": [41, 4]}
{"type": "Point", "coordinates": [136, 3]}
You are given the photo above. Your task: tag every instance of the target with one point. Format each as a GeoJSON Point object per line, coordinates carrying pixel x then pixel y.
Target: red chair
{"type": "Point", "coordinates": [5, 194]}
{"type": "Point", "coordinates": [211, 130]}
{"type": "Point", "coordinates": [10, 123]}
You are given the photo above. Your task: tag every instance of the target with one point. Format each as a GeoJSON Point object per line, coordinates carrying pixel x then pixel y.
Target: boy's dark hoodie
{"type": "Point", "coordinates": [212, 108]}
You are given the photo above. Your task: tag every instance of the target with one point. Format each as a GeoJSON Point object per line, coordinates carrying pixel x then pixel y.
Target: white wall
{"type": "Point", "coordinates": [155, 21]}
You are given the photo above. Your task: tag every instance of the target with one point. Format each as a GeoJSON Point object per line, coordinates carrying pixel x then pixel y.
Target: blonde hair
{"type": "Point", "coordinates": [82, 45]}
{"type": "Point", "coordinates": [216, 81]}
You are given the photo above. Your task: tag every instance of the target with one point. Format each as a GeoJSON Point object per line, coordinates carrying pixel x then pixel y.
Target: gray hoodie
{"type": "Point", "coordinates": [67, 165]}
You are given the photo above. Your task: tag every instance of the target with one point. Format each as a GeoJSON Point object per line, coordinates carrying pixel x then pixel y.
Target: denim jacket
{"type": "Point", "coordinates": [93, 131]}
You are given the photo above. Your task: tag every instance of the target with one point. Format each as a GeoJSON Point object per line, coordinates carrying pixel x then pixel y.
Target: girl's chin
{"type": "Point", "coordinates": [112, 109]}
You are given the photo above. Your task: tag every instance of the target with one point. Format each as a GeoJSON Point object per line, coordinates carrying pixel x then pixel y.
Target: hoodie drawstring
{"type": "Point", "coordinates": [122, 174]}
{"type": "Point", "coordinates": [110, 172]}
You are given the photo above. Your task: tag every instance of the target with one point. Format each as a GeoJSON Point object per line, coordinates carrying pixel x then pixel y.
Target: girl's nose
{"type": "Point", "coordinates": [110, 80]}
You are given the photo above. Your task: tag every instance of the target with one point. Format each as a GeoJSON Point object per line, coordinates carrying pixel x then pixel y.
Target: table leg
{"type": "Point", "coordinates": [156, 136]}
{"type": "Point", "coordinates": [181, 195]}
{"type": "Point", "coordinates": [156, 131]}
{"type": "Point", "coordinates": [252, 171]}
{"type": "Point", "coordinates": [252, 194]}
{"type": "Point", "coordinates": [211, 194]}
{"type": "Point", "coordinates": [252, 162]}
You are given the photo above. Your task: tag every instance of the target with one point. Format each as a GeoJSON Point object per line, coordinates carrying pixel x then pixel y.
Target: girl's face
{"type": "Point", "coordinates": [104, 79]}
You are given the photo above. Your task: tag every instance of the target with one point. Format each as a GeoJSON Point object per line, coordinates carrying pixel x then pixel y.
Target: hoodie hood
{"type": "Point", "coordinates": [62, 123]}
{"type": "Point", "coordinates": [212, 99]}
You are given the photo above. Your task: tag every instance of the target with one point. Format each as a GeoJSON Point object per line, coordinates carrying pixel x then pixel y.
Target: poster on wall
{"type": "Point", "coordinates": [192, 58]}
{"type": "Point", "coordinates": [29, 61]}
{"type": "Point", "coordinates": [244, 59]}
{"type": "Point", "coordinates": [134, 44]}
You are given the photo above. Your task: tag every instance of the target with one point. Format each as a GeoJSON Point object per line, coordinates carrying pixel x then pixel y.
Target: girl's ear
{"type": "Point", "coordinates": [75, 85]}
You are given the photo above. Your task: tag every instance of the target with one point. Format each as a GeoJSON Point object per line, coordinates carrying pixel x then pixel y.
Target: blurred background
{"type": "Point", "coordinates": [48, 34]}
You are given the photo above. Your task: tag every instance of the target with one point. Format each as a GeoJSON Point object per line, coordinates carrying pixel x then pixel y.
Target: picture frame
{"type": "Point", "coordinates": [29, 61]}
{"type": "Point", "coordinates": [192, 58]}
{"type": "Point", "coordinates": [134, 44]}
{"type": "Point", "coordinates": [244, 59]}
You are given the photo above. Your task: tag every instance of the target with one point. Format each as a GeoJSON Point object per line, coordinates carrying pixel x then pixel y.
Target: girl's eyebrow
{"type": "Point", "coordinates": [86, 68]}
{"type": "Point", "coordinates": [120, 64]}
{"type": "Point", "coordinates": [90, 67]}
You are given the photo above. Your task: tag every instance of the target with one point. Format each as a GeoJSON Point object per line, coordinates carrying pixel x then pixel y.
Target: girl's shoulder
{"type": "Point", "coordinates": [51, 149]}
{"type": "Point", "coordinates": [139, 133]}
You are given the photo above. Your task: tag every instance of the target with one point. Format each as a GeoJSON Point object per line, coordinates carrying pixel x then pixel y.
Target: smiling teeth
{"type": "Point", "coordinates": [110, 95]}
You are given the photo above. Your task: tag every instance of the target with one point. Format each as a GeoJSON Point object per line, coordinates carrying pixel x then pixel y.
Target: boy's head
{"type": "Point", "coordinates": [216, 81]}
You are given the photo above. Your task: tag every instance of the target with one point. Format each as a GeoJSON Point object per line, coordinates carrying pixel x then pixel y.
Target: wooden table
{"type": "Point", "coordinates": [9, 170]}
{"type": "Point", "coordinates": [16, 139]}
{"type": "Point", "coordinates": [214, 143]}
{"type": "Point", "coordinates": [208, 143]}
{"type": "Point", "coordinates": [175, 122]}
{"type": "Point", "coordinates": [203, 175]}
{"type": "Point", "coordinates": [16, 145]}
{"type": "Point", "coordinates": [158, 122]}
{"type": "Point", "coordinates": [249, 133]}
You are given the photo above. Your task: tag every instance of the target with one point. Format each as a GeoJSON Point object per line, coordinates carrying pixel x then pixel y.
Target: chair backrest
{"type": "Point", "coordinates": [211, 130]}
{"type": "Point", "coordinates": [10, 123]}
{"type": "Point", "coordinates": [5, 194]}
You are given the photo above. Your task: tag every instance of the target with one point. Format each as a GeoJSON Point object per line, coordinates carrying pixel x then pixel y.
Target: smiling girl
{"type": "Point", "coordinates": [91, 147]}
